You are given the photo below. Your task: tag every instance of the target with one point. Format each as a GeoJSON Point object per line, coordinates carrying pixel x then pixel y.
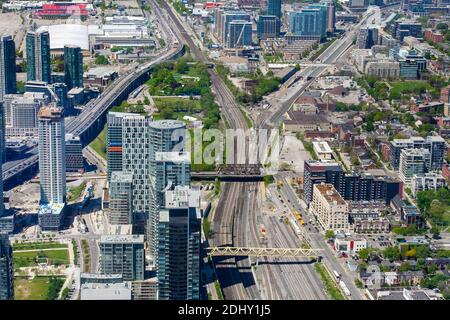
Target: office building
{"type": "Point", "coordinates": [239, 34]}
{"type": "Point", "coordinates": [274, 8]}
{"type": "Point", "coordinates": [123, 254]}
{"type": "Point", "coordinates": [355, 187]}
{"type": "Point", "coordinates": [74, 153]}
{"type": "Point", "coordinates": [223, 20]}
{"type": "Point", "coordinates": [121, 198]}
{"type": "Point", "coordinates": [427, 181]}
{"type": "Point", "coordinates": [21, 113]}
{"type": "Point", "coordinates": [7, 66]}
{"type": "Point", "coordinates": [179, 238]}
{"type": "Point", "coordinates": [413, 161]}
{"type": "Point", "coordinates": [52, 167]}
{"type": "Point", "coordinates": [169, 166]}
{"type": "Point", "coordinates": [384, 69]}
{"type": "Point", "coordinates": [402, 28]}
{"type": "Point", "coordinates": [6, 269]}
{"type": "Point", "coordinates": [268, 27]}
{"type": "Point", "coordinates": [73, 66]}
{"type": "Point", "coordinates": [38, 56]}
{"type": "Point", "coordinates": [367, 38]}
{"type": "Point", "coordinates": [330, 209]}
{"type": "Point", "coordinates": [435, 144]}
{"type": "Point", "coordinates": [309, 21]}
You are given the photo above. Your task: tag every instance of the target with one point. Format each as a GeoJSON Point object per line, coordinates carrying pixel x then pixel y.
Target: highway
{"type": "Point", "coordinates": [316, 239]}
{"type": "Point", "coordinates": [328, 57]}
{"type": "Point", "coordinates": [95, 109]}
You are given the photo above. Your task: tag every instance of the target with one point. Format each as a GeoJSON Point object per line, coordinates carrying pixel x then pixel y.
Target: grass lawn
{"type": "Point", "coordinates": [30, 258]}
{"type": "Point", "coordinates": [177, 108]}
{"type": "Point", "coordinates": [75, 193]}
{"type": "Point", "coordinates": [99, 144]}
{"type": "Point", "coordinates": [37, 288]}
{"type": "Point", "coordinates": [330, 285]}
{"type": "Point", "coordinates": [38, 245]}
{"type": "Point", "coordinates": [401, 88]}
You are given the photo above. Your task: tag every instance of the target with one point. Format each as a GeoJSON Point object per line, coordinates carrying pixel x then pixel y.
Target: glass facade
{"type": "Point", "coordinates": [38, 56]}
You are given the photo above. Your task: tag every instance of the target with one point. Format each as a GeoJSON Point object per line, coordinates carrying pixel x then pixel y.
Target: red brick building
{"type": "Point", "coordinates": [433, 35]}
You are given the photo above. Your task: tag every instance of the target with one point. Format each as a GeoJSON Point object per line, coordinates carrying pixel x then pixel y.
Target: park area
{"type": "Point", "coordinates": [31, 254]}
{"type": "Point", "coordinates": [37, 288]}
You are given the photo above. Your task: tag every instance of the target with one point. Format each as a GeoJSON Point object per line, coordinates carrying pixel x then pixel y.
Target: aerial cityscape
{"type": "Point", "coordinates": [225, 150]}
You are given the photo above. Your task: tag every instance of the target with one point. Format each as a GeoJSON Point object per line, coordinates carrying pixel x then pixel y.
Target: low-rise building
{"type": "Point", "coordinates": [330, 208]}
{"type": "Point", "coordinates": [408, 294]}
{"type": "Point", "coordinates": [349, 245]}
{"type": "Point", "coordinates": [384, 69]}
{"type": "Point", "coordinates": [105, 291]}
{"type": "Point", "coordinates": [371, 225]}
{"type": "Point", "coordinates": [145, 289]}
{"type": "Point", "coordinates": [322, 150]}
{"type": "Point", "coordinates": [427, 181]}
{"type": "Point", "coordinates": [300, 122]}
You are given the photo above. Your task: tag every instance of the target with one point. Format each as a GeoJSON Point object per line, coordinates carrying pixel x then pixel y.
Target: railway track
{"type": "Point", "coordinates": [230, 206]}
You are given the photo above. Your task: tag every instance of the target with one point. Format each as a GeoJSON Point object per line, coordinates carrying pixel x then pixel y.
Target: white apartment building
{"type": "Point", "coordinates": [413, 161]}
{"type": "Point", "coordinates": [52, 165]}
{"type": "Point", "coordinates": [427, 181]}
{"type": "Point", "coordinates": [330, 208]}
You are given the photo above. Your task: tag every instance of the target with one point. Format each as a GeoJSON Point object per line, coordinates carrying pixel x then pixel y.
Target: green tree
{"type": "Point", "coordinates": [442, 26]}
{"type": "Point", "coordinates": [392, 253]}
{"type": "Point", "coordinates": [101, 60]}
{"type": "Point", "coordinates": [329, 234]}
{"type": "Point", "coordinates": [405, 266]}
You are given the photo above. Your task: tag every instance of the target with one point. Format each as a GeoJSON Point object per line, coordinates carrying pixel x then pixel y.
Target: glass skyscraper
{"type": "Point", "coordinates": [73, 66]}
{"type": "Point", "coordinates": [309, 21]}
{"type": "Point", "coordinates": [268, 27]}
{"type": "Point", "coordinates": [274, 8]}
{"type": "Point", "coordinates": [6, 269]}
{"type": "Point", "coordinates": [7, 66]}
{"type": "Point", "coordinates": [169, 167]}
{"type": "Point", "coordinates": [239, 34]}
{"type": "Point", "coordinates": [179, 238]}
{"type": "Point", "coordinates": [38, 56]}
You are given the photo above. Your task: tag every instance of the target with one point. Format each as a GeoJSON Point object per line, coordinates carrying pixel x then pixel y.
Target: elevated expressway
{"type": "Point", "coordinates": [92, 118]}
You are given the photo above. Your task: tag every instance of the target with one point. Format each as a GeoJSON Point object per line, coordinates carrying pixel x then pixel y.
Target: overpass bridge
{"type": "Point", "coordinates": [264, 252]}
{"type": "Point", "coordinates": [229, 177]}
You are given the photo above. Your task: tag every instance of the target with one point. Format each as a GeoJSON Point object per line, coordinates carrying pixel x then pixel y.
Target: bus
{"type": "Point", "coordinates": [336, 275]}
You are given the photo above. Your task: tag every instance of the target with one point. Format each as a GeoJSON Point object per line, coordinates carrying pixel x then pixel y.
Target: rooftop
{"type": "Point", "coordinates": [182, 196]}
{"type": "Point", "coordinates": [330, 193]}
{"type": "Point", "coordinates": [51, 208]}
{"type": "Point", "coordinates": [51, 113]}
{"type": "Point", "coordinates": [132, 238]}
{"type": "Point", "coordinates": [322, 147]}
{"type": "Point", "coordinates": [121, 176]}
{"type": "Point", "coordinates": [167, 124]}
{"type": "Point", "coordinates": [176, 157]}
